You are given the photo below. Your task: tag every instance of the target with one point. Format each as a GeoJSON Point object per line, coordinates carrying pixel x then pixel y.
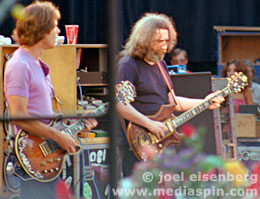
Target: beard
{"type": "Point", "coordinates": [154, 56]}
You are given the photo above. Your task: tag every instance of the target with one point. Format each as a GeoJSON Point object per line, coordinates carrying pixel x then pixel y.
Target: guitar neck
{"type": "Point", "coordinates": [186, 116]}
{"type": "Point", "coordinates": [75, 128]}
{"type": "Point", "coordinates": [79, 125]}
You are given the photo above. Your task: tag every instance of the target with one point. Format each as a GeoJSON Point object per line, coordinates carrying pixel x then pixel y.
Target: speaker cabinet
{"type": "Point", "coordinates": [197, 85]}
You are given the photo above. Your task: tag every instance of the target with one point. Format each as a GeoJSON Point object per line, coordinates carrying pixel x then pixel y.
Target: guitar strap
{"type": "Point", "coordinates": [167, 82]}
{"type": "Point", "coordinates": [57, 100]}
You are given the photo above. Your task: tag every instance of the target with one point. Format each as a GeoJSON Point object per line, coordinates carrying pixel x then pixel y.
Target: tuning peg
{"type": "Point", "coordinates": [229, 80]}
{"type": "Point", "coordinates": [244, 78]}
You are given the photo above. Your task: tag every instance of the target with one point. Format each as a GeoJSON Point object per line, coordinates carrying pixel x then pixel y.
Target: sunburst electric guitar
{"type": "Point", "coordinates": [138, 137]}
{"type": "Point", "coordinates": [43, 159]}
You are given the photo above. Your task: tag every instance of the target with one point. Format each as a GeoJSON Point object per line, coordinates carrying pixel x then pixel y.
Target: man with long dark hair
{"type": "Point", "coordinates": [152, 36]}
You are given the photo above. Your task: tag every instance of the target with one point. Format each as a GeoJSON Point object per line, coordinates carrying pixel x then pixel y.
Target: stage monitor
{"type": "Point", "coordinates": [197, 85]}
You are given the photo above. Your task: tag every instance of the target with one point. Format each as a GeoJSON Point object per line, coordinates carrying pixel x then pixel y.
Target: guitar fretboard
{"type": "Point", "coordinates": [178, 121]}
{"type": "Point", "coordinates": [75, 128]}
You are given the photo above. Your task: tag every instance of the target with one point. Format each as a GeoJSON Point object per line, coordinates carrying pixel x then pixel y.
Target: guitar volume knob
{"type": "Point", "coordinates": [57, 159]}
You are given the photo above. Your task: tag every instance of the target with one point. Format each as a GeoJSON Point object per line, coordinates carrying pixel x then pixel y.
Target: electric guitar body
{"type": "Point", "coordinates": [139, 137]}
{"type": "Point", "coordinates": [42, 159]}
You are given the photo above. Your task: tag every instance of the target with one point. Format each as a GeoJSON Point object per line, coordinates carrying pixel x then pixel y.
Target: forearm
{"type": "Point", "coordinates": [128, 112]}
{"type": "Point", "coordinates": [39, 129]}
{"type": "Point", "coordinates": [185, 104]}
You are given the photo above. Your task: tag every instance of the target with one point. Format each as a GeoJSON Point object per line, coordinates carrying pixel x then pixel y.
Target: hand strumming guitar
{"type": "Point", "coordinates": [66, 142]}
{"type": "Point", "coordinates": [157, 128]}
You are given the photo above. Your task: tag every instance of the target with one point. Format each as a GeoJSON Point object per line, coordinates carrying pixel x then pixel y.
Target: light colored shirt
{"type": "Point", "coordinates": [255, 89]}
{"type": "Point", "coordinates": [26, 77]}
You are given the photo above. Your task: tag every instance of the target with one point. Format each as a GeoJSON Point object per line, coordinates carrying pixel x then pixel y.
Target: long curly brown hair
{"type": "Point", "coordinates": [38, 20]}
{"type": "Point", "coordinates": [240, 67]}
{"type": "Point", "coordinates": [139, 41]}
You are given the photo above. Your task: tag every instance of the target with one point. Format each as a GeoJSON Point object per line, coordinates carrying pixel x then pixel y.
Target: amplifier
{"type": "Point", "coordinates": [95, 91]}
{"type": "Point", "coordinates": [92, 77]}
{"type": "Point", "coordinates": [249, 154]}
{"type": "Point", "coordinates": [253, 109]}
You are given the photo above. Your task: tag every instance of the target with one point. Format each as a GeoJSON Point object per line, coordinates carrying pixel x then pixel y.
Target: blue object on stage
{"type": "Point", "coordinates": [177, 69]}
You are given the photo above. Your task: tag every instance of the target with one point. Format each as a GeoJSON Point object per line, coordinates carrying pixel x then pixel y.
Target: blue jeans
{"type": "Point", "coordinates": [33, 189]}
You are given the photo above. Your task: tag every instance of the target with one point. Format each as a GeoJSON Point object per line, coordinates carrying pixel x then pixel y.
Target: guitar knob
{"type": "Point", "coordinates": [45, 171]}
{"type": "Point", "coordinates": [42, 163]}
{"type": "Point", "coordinates": [160, 146]}
{"type": "Point", "coordinates": [57, 159]}
{"type": "Point", "coordinates": [56, 169]}
{"type": "Point", "coordinates": [51, 170]}
{"type": "Point", "coordinates": [50, 160]}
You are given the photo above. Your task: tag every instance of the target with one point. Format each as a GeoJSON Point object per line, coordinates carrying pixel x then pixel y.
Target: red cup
{"type": "Point", "coordinates": [72, 33]}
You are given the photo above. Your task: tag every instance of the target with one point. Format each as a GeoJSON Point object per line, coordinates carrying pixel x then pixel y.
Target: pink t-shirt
{"type": "Point", "coordinates": [26, 77]}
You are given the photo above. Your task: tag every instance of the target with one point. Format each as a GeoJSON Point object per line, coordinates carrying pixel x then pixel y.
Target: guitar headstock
{"type": "Point", "coordinates": [125, 92]}
{"type": "Point", "coordinates": [237, 82]}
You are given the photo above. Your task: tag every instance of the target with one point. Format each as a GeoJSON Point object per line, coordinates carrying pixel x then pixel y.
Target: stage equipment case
{"type": "Point", "coordinates": [237, 42]}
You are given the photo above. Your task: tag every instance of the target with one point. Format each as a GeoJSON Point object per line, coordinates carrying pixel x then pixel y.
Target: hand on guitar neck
{"type": "Point", "coordinates": [216, 100]}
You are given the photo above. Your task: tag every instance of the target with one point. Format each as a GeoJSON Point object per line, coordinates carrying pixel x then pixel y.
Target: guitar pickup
{"type": "Point", "coordinates": [44, 148]}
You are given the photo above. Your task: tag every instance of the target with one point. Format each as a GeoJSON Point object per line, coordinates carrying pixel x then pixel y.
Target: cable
{"type": "Point", "coordinates": [81, 94]}
{"type": "Point", "coordinates": [93, 177]}
{"type": "Point", "coordinates": [83, 153]}
{"type": "Point", "coordinates": [83, 164]}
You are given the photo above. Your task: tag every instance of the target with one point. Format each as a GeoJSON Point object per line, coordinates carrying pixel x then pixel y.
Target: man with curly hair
{"type": "Point", "coordinates": [152, 36]}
